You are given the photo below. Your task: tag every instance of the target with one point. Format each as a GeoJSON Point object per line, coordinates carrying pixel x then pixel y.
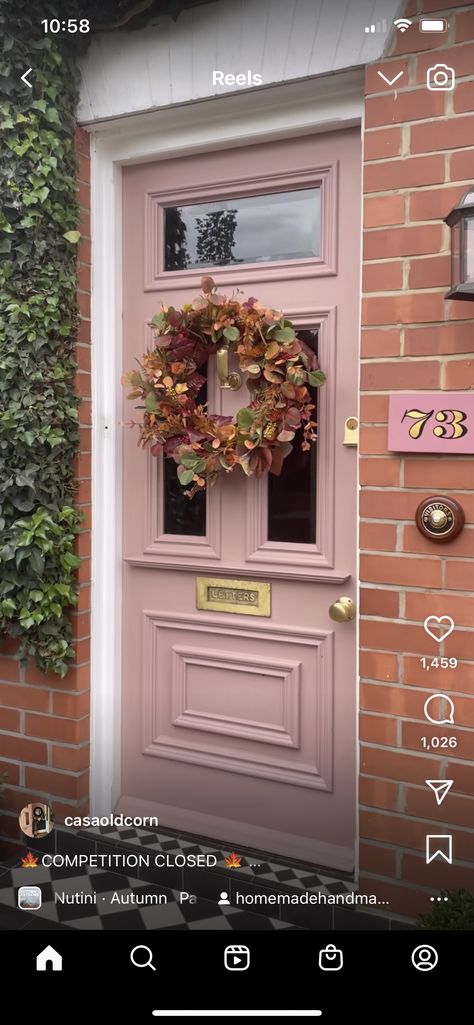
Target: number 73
{"type": "Point", "coordinates": [450, 422]}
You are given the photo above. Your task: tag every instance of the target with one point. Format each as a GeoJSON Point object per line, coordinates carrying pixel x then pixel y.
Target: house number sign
{"type": "Point", "coordinates": [438, 422]}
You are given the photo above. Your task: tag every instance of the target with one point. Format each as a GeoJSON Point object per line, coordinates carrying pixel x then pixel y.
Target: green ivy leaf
{"type": "Point", "coordinates": [316, 378]}
{"type": "Point", "coordinates": [72, 236]}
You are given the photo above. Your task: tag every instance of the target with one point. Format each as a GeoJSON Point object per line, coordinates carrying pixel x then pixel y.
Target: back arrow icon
{"type": "Point", "coordinates": [24, 78]}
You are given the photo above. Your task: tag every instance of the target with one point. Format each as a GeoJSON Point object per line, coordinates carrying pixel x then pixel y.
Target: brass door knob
{"type": "Point", "coordinates": [343, 610]}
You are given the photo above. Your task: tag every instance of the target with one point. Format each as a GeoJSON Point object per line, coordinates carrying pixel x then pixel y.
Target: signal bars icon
{"type": "Point", "coordinates": [402, 24]}
{"type": "Point", "coordinates": [380, 26]}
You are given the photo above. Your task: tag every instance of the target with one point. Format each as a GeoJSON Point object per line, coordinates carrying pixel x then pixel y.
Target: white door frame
{"type": "Point", "coordinates": [314, 105]}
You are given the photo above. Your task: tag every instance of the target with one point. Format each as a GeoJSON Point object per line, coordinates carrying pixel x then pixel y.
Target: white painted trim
{"type": "Point", "coordinates": [284, 111]}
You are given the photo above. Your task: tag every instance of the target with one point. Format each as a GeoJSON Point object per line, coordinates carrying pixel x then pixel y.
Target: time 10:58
{"type": "Point", "coordinates": [439, 663]}
{"type": "Point", "coordinates": [54, 25]}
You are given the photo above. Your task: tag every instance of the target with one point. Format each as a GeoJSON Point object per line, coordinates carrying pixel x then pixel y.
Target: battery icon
{"type": "Point", "coordinates": [433, 25]}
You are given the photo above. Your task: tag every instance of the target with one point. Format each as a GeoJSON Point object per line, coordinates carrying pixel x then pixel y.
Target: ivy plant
{"type": "Point", "coordinates": [38, 317]}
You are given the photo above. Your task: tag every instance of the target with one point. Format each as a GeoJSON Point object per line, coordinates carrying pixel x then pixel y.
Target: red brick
{"type": "Point", "coordinates": [394, 636]}
{"type": "Point", "coordinates": [81, 141]}
{"type": "Point", "coordinates": [84, 251]}
{"type": "Point", "coordinates": [84, 277]}
{"type": "Point", "coordinates": [380, 211]}
{"type": "Point", "coordinates": [434, 204]}
{"type": "Point", "coordinates": [52, 783]}
{"type": "Point", "coordinates": [405, 308]}
{"type": "Point", "coordinates": [81, 625]}
{"type": "Point", "coordinates": [84, 600]}
{"type": "Point", "coordinates": [72, 705]}
{"type": "Point", "coordinates": [454, 132]}
{"type": "Point", "coordinates": [84, 224]}
{"type": "Point", "coordinates": [382, 143]}
{"type": "Point", "coordinates": [83, 194]}
{"type": "Point", "coordinates": [84, 492]}
{"type": "Point", "coordinates": [459, 679]}
{"type": "Point", "coordinates": [24, 697]}
{"type": "Point", "coordinates": [9, 669]}
{"type": "Point", "coordinates": [414, 541]}
{"type": "Point", "coordinates": [84, 331]}
{"type": "Point", "coordinates": [439, 340]}
{"type": "Point", "coordinates": [376, 602]}
{"type": "Point", "coordinates": [412, 733]}
{"type": "Point", "coordinates": [373, 82]}
{"type": "Point", "coordinates": [461, 165]}
{"type": "Point", "coordinates": [73, 758]}
{"type": "Point", "coordinates": [396, 569]}
{"type": "Point", "coordinates": [84, 168]}
{"type": "Point", "coordinates": [84, 304]}
{"type": "Point", "coordinates": [373, 440]}
{"type": "Point", "coordinates": [459, 374]}
{"type": "Point", "coordinates": [378, 665]}
{"type": "Point", "coordinates": [392, 700]}
{"type": "Point", "coordinates": [464, 26]}
{"type": "Point", "coordinates": [437, 473]}
{"type": "Point", "coordinates": [400, 375]}
{"type": "Point", "coordinates": [83, 358]}
{"type": "Point", "coordinates": [24, 750]}
{"type": "Point", "coordinates": [405, 832]}
{"type": "Point", "coordinates": [376, 343]}
{"type": "Point", "coordinates": [420, 605]}
{"type": "Point", "coordinates": [85, 411]}
{"type": "Point", "coordinates": [378, 793]}
{"type": "Point", "coordinates": [382, 277]}
{"type": "Point", "coordinates": [461, 643]}
{"type": "Point", "coordinates": [375, 729]}
{"type": "Point", "coordinates": [460, 58]}
{"type": "Point", "coordinates": [462, 98]}
{"type": "Point", "coordinates": [388, 505]}
{"type": "Point", "coordinates": [83, 466]}
{"type": "Point", "coordinates": [456, 810]}
{"type": "Point", "coordinates": [401, 106]}
{"type": "Point", "coordinates": [438, 875]}
{"type": "Point", "coordinates": [374, 408]}
{"type": "Point", "coordinates": [379, 860]}
{"type": "Point", "coordinates": [400, 900]}
{"type": "Point", "coordinates": [407, 173]}
{"type": "Point", "coordinates": [389, 242]}
{"type": "Point", "coordinates": [65, 730]}
{"type": "Point", "coordinates": [379, 472]}
{"type": "Point", "coordinates": [464, 776]}
{"type": "Point", "coordinates": [397, 765]}
{"type": "Point", "coordinates": [430, 272]}
{"type": "Point", "coordinates": [378, 537]}
{"type": "Point", "coordinates": [9, 720]}
{"type": "Point", "coordinates": [12, 771]}
{"type": "Point", "coordinates": [459, 575]}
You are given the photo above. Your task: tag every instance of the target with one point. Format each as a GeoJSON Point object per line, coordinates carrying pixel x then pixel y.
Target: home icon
{"type": "Point", "coordinates": [49, 958]}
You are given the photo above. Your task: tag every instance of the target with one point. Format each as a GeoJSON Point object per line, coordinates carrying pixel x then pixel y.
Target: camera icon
{"type": "Point", "coordinates": [440, 78]}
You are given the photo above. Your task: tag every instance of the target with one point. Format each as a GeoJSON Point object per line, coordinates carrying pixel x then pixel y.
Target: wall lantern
{"type": "Point", "coordinates": [461, 222]}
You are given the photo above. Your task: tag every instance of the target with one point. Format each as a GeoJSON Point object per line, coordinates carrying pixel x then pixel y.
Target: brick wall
{"type": "Point", "coordinates": [44, 721]}
{"type": "Point", "coordinates": [419, 159]}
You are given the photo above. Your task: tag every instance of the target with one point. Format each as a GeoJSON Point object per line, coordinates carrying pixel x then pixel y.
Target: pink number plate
{"type": "Point", "coordinates": [431, 422]}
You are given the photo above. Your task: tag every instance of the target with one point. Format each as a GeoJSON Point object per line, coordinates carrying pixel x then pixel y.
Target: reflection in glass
{"type": "Point", "coordinates": [182, 515]}
{"type": "Point", "coordinates": [251, 229]}
{"type": "Point", "coordinates": [292, 495]}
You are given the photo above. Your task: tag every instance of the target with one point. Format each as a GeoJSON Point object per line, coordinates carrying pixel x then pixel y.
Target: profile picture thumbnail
{"type": "Point", "coordinates": [36, 820]}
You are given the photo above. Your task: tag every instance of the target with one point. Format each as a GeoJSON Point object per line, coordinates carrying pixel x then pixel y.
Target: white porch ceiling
{"type": "Point", "coordinates": [283, 40]}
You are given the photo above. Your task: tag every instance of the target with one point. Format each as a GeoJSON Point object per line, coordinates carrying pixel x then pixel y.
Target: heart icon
{"type": "Point", "coordinates": [443, 625]}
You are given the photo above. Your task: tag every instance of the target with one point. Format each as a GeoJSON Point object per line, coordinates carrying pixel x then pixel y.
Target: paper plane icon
{"type": "Point", "coordinates": [440, 788]}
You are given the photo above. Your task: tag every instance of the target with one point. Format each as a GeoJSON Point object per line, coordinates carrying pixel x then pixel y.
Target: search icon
{"type": "Point", "coordinates": [142, 964]}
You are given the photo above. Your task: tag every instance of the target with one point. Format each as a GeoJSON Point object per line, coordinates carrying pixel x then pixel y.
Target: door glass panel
{"type": "Point", "coordinates": [292, 495]}
{"type": "Point", "coordinates": [250, 229]}
{"type": "Point", "coordinates": [183, 515]}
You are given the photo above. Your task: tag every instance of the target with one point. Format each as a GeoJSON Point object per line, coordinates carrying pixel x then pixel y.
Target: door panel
{"type": "Point", "coordinates": [243, 727]}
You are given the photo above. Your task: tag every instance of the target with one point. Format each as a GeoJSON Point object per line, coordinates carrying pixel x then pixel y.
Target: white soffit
{"type": "Point", "coordinates": [172, 62]}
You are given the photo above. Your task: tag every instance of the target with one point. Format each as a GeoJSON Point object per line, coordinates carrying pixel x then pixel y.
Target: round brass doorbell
{"type": "Point", "coordinates": [440, 518]}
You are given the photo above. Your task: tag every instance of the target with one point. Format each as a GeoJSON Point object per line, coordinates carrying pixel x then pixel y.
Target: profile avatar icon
{"type": "Point", "coordinates": [224, 898]}
{"type": "Point", "coordinates": [36, 820]}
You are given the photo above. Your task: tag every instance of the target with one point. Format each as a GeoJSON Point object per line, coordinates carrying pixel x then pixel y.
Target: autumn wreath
{"type": "Point", "coordinates": [279, 368]}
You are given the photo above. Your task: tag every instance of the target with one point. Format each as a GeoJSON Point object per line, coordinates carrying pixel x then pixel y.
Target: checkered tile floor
{"type": "Point", "coordinates": [259, 866]}
{"type": "Point", "coordinates": [105, 914]}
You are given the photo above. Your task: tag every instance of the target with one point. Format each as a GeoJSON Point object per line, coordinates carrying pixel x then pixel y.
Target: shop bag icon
{"type": "Point", "coordinates": [330, 959]}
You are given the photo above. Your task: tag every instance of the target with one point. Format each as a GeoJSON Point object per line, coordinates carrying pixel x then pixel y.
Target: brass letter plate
{"type": "Point", "coordinates": [246, 597]}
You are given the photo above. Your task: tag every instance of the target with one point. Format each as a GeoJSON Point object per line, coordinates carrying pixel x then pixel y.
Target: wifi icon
{"type": "Point", "coordinates": [402, 24]}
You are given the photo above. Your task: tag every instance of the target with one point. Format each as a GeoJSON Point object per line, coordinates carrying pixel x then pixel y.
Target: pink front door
{"type": "Point", "coordinates": [242, 727]}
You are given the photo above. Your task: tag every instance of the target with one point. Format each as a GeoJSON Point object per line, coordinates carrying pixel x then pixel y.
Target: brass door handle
{"type": "Point", "coordinates": [228, 379]}
{"type": "Point", "coordinates": [343, 610]}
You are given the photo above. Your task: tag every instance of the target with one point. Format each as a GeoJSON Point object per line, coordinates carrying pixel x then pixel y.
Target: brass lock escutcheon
{"type": "Point", "coordinates": [343, 610]}
{"type": "Point", "coordinates": [351, 432]}
{"type": "Point", "coordinates": [229, 379]}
